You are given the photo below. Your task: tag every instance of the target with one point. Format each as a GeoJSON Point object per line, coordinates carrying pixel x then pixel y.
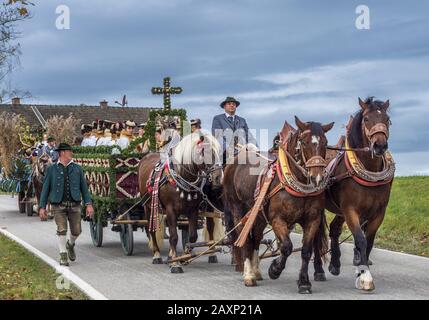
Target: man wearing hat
{"type": "Point", "coordinates": [92, 139]}
{"type": "Point", "coordinates": [143, 147]}
{"type": "Point", "coordinates": [106, 140]}
{"type": "Point", "coordinates": [126, 135]}
{"type": "Point", "coordinates": [50, 149]}
{"type": "Point", "coordinates": [86, 133]}
{"type": "Point", "coordinates": [230, 129]}
{"type": "Point", "coordinates": [64, 187]}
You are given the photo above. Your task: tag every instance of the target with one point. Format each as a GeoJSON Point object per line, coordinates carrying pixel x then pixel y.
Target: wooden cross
{"type": "Point", "coordinates": [167, 91]}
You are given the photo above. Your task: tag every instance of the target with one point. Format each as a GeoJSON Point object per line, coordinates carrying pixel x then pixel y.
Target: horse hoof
{"type": "Point", "coordinates": [272, 274]}
{"type": "Point", "coordinates": [176, 269]}
{"type": "Point", "coordinates": [319, 276]}
{"type": "Point", "coordinates": [335, 271]}
{"type": "Point", "coordinates": [157, 261]}
{"type": "Point", "coordinates": [369, 262]}
{"type": "Point", "coordinates": [213, 259]}
{"type": "Point", "coordinates": [250, 282]}
{"type": "Point", "coordinates": [366, 286]}
{"type": "Point", "coordinates": [258, 276]}
{"type": "Point", "coordinates": [304, 289]}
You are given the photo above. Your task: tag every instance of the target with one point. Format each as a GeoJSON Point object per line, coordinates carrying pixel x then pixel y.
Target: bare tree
{"type": "Point", "coordinates": [11, 13]}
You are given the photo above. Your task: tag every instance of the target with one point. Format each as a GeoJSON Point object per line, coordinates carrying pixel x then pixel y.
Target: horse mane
{"type": "Point", "coordinates": [355, 132]}
{"type": "Point", "coordinates": [183, 152]}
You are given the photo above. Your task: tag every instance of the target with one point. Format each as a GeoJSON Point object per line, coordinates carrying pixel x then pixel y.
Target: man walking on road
{"type": "Point", "coordinates": [63, 187]}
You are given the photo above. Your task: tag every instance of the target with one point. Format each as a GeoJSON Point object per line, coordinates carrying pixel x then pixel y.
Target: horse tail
{"type": "Point", "coordinates": [321, 239]}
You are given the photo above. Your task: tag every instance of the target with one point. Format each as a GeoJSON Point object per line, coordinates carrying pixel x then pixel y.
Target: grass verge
{"type": "Point", "coordinates": [24, 276]}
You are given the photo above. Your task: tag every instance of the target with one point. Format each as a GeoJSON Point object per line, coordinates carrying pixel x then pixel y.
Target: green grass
{"type": "Point", "coordinates": [24, 276]}
{"type": "Point", "coordinates": [406, 224]}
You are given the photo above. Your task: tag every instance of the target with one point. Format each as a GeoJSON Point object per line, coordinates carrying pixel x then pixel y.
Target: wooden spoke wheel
{"type": "Point", "coordinates": [127, 238]}
{"type": "Point", "coordinates": [96, 229]}
{"type": "Point", "coordinates": [21, 205]}
{"type": "Point", "coordinates": [29, 208]}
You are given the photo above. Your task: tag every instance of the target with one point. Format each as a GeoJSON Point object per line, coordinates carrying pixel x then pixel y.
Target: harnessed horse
{"type": "Point", "coordinates": [362, 177]}
{"type": "Point", "coordinates": [39, 169]}
{"type": "Point", "coordinates": [195, 163]}
{"type": "Point", "coordinates": [293, 193]}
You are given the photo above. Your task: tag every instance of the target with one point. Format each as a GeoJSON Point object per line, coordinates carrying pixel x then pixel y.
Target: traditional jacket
{"type": "Point", "coordinates": [229, 133]}
{"type": "Point", "coordinates": [53, 185]}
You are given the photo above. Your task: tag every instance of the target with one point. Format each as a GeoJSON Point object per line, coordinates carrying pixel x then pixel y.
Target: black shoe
{"type": "Point", "coordinates": [63, 259]}
{"type": "Point", "coordinates": [70, 251]}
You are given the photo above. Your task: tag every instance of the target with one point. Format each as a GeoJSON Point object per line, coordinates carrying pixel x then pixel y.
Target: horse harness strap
{"type": "Point", "coordinates": [254, 211]}
{"type": "Point", "coordinates": [377, 128]}
{"type": "Point", "coordinates": [261, 196]}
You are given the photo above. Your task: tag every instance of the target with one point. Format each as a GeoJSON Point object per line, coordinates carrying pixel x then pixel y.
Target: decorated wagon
{"type": "Point", "coordinates": [113, 184]}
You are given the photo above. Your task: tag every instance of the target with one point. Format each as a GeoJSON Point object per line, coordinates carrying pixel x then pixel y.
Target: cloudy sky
{"type": "Point", "coordinates": [280, 58]}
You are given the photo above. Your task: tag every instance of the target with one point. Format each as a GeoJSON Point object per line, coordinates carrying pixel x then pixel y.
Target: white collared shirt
{"type": "Point", "coordinates": [229, 115]}
{"type": "Point", "coordinates": [65, 165]}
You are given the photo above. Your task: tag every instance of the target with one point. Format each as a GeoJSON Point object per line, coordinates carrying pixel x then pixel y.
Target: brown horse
{"type": "Point", "coordinates": [196, 163]}
{"type": "Point", "coordinates": [40, 166]}
{"type": "Point", "coordinates": [283, 208]}
{"type": "Point", "coordinates": [360, 196]}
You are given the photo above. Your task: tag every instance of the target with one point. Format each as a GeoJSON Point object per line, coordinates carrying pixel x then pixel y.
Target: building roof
{"type": "Point", "coordinates": [86, 113]}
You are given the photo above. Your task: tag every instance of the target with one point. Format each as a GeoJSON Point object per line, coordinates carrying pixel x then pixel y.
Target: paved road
{"type": "Point", "coordinates": [397, 276]}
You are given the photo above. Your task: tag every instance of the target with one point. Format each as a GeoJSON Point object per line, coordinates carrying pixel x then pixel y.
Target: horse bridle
{"type": "Point", "coordinates": [379, 127]}
{"type": "Point", "coordinates": [314, 161]}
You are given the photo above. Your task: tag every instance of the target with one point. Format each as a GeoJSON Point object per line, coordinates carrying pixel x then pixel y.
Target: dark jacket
{"type": "Point", "coordinates": [53, 185]}
{"type": "Point", "coordinates": [223, 130]}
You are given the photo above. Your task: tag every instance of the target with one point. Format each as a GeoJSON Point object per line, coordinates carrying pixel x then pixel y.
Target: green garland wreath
{"type": "Point", "coordinates": [104, 205]}
{"type": "Point", "coordinates": [150, 128]}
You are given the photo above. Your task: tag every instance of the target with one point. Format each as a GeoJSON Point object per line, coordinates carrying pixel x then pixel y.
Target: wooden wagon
{"type": "Point", "coordinates": [113, 184]}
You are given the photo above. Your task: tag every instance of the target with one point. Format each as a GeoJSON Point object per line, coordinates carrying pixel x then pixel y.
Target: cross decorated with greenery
{"type": "Point", "coordinates": [167, 91]}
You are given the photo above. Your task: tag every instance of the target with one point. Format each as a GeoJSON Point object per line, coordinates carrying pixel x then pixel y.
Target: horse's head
{"type": "Point", "coordinates": [167, 134]}
{"type": "Point", "coordinates": [201, 153]}
{"type": "Point", "coordinates": [375, 124]}
{"type": "Point", "coordinates": [311, 145]}
{"type": "Point", "coordinates": [43, 162]}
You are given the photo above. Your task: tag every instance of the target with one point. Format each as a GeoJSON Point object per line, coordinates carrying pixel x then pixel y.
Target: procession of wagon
{"type": "Point", "coordinates": [208, 184]}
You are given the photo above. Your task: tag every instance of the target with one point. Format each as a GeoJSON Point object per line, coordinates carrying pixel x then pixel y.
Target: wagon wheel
{"type": "Point", "coordinates": [29, 208]}
{"type": "Point", "coordinates": [127, 237]}
{"type": "Point", "coordinates": [185, 237]}
{"type": "Point", "coordinates": [96, 229]}
{"type": "Point", "coordinates": [21, 204]}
